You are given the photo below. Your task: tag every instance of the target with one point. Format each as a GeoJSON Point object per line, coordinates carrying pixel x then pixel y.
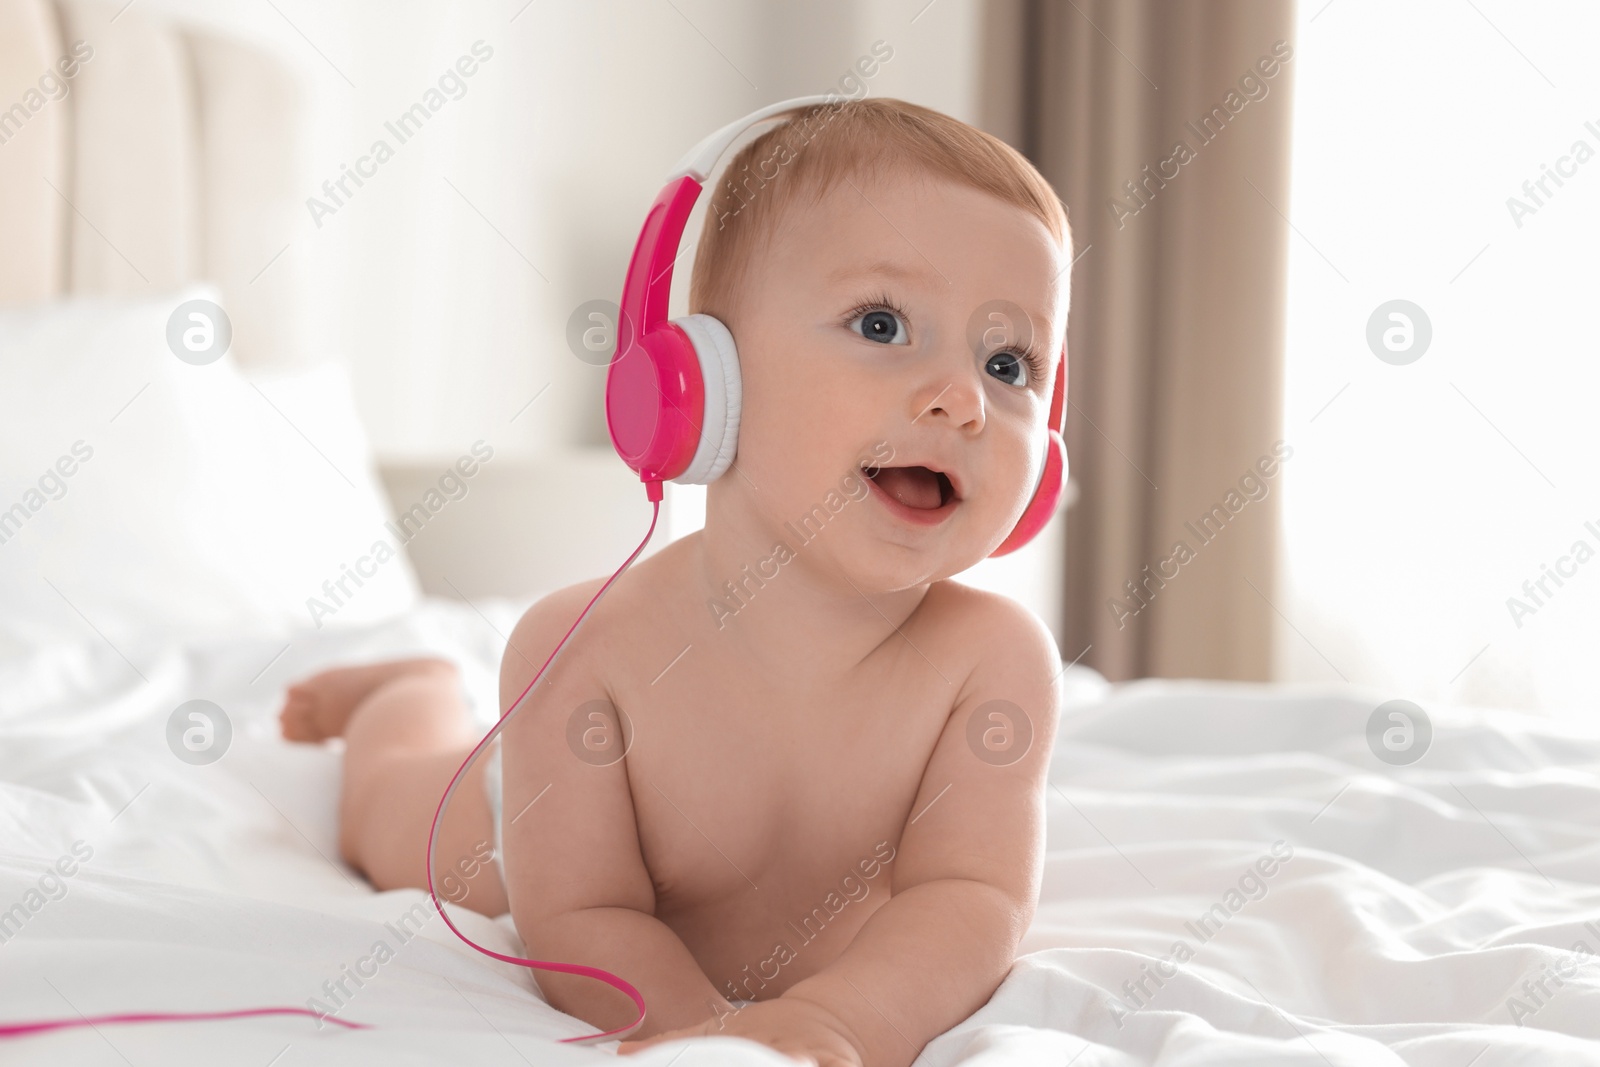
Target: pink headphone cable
{"type": "Point", "coordinates": [654, 490]}
{"type": "Point", "coordinates": [20, 1029]}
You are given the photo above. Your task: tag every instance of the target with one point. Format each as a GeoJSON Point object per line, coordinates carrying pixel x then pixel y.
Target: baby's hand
{"type": "Point", "coordinates": [795, 1027]}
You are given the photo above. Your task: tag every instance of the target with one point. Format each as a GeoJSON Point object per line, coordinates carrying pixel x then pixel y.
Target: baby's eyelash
{"type": "Point", "coordinates": [1035, 362]}
{"type": "Point", "coordinates": [881, 303]}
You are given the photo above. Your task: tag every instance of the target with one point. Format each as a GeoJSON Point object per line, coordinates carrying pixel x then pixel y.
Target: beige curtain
{"type": "Point", "coordinates": [1164, 125]}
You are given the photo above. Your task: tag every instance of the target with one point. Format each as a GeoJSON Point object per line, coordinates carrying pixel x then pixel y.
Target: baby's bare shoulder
{"type": "Point", "coordinates": [559, 608]}
{"type": "Point", "coordinates": [569, 599]}
{"type": "Point", "coordinates": [627, 612]}
{"type": "Point", "coordinates": [541, 628]}
{"type": "Point", "coordinates": [1010, 653]}
{"type": "Point", "coordinates": [969, 614]}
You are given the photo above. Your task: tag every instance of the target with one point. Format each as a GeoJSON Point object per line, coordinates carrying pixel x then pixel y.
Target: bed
{"type": "Point", "coordinates": [1414, 905]}
{"type": "Point", "coordinates": [1234, 875]}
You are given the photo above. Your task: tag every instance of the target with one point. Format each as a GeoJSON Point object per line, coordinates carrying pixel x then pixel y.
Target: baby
{"type": "Point", "coordinates": [788, 778]}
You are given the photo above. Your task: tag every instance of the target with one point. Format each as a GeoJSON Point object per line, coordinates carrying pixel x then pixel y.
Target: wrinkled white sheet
{"type": "Point", "coordinates": [1413, 906]}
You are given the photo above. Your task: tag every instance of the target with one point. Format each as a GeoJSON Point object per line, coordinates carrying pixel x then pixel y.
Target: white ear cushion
{"type": "Point", "coordinates": [719, 369]}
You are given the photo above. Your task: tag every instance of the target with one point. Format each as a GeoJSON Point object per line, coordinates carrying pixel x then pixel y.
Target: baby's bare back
{"type": "Point", "coordinates": [767, 797]}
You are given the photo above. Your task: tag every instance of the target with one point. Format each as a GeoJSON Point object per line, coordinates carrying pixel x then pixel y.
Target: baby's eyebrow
{"type": "Point", "coordinates": [887, 267]}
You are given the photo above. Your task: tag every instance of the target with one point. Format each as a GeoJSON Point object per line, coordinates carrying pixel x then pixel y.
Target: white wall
{"type": "Point", "coordinates": [558, 146]}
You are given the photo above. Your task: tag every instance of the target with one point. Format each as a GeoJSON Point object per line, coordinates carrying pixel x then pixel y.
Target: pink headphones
{"type": "Point", "coordinates": [673, 389]}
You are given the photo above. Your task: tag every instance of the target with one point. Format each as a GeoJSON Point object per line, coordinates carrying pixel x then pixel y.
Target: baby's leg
{"type": "Point", "coordinates": [406, 731]}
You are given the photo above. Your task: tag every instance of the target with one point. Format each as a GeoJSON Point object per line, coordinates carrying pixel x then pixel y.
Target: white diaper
{"type": "Point", "coordinates": [492, 787]}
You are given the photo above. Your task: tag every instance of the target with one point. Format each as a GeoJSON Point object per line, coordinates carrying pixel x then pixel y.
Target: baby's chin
{"type": "Point", "coordinates": [879, 559]}
{"type": "Point", "coordinates": [847, 525]}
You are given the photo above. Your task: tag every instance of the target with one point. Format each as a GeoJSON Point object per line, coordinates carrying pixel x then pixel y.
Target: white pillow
{"type": "Point", "coordinates": [156, 500]}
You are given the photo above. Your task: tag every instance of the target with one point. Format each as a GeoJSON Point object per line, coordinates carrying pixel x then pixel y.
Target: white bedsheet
{"type": "Point", "coordinates": [1415, 903]}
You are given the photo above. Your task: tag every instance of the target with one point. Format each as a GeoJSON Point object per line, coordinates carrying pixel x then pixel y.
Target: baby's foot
{"type": "Point", "coordinates": [320, 706]}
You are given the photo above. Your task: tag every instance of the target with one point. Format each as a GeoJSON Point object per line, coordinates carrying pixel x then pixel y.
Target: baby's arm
{"type": "Point", "coordinates": [965, 881]}
{"type": "Point", "coordinates": [577, 883]}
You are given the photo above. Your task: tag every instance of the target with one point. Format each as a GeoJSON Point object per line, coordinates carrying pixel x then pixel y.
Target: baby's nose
{"type": "Point", "coordinates": [951, 397]}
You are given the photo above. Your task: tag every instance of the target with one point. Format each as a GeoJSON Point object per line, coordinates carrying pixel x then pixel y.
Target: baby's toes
{"type": "Point", "coordinates": [298, 718]}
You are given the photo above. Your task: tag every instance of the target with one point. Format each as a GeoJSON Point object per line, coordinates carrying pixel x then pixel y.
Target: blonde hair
{"type": "Point", "coordinates": [817, 147]}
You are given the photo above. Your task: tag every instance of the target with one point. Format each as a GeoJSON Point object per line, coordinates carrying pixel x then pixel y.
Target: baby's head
{"type": "Point", "coordinates": [896, 283]}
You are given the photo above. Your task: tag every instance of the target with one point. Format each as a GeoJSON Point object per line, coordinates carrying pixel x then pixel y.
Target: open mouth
{"type": "Point", "coordinates": [917, 493]}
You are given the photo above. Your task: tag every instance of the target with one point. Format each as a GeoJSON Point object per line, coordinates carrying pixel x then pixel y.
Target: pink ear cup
{"type": "Point", "coordinates": [673, 389]}
{"type": "Point", "coordinates": [655, 397]}
{"type": "Point", "coordinates": [655, 403]}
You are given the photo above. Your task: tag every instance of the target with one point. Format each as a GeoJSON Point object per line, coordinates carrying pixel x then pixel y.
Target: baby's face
{"type": "Point", "coordinates": [866, 338]}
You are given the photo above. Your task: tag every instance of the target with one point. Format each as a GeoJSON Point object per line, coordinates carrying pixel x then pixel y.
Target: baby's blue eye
{"type": "Point", "coordinates": [882, 326]}
{"type": "Point", "coordinates": [1007, 367]}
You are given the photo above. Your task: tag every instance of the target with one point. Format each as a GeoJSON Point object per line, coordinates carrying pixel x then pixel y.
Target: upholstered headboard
{"type": "Point", "coordinates": [174, 156]}
{"type": "Point", "coordinates": [167, 156]}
